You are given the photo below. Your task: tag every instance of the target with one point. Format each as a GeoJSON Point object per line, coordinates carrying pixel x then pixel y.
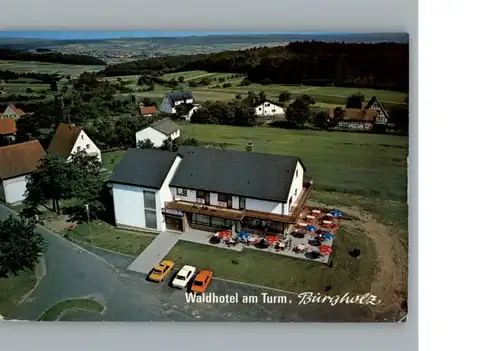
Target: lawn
{"type": "Point", "coordinates": [86, 305]}
{"type": "Point", "coordinates": [46, 67]}
{"type": "Point", "coordinates": [354, 163]}
{"type": "Point", "coordinates": [108, 237]}
{"type": "Point", "coordinates": [111, 159]}
{"type": "Point", "coordinates": [13, 289]}
{"type": "Point", "coordinates": [281, 272]}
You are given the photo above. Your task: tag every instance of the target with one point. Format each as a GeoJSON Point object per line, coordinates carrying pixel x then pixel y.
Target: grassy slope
{"type": "Point", "coordinates": [13, 289]}
{"type": "Point", "coordinates": [46, 67]}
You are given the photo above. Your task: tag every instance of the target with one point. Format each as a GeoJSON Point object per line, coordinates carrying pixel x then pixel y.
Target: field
{"type": "Point", "coordinates": [46, 67]}
{"type": "Point", "coordinates": [354, 163]}
{"type": "Point", "coordinates": [324, 96]}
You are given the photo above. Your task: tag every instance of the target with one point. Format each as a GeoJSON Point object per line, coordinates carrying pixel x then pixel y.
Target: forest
{"type": "Point", "coordinates": [52, 57]}
{"type": "Point", "coordinates": [377, 66]}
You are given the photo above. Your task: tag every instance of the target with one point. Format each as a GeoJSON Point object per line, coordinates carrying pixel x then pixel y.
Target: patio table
{"type": "Point", "coordinates": [302, 224]}
{"type": "Point", "coordinates": [327, 222]}
{"type": "Point", "coordinates": [310, 217]}
{"type": "Point", "coordinates": [316, 211]}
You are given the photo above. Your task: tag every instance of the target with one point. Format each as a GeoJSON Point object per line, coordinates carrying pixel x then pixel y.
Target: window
{"type": "Point", "coordinates": [82, 136]}
{"type": "Point", "coordinates": [296, 172]}
{"type": "Point", "coordinates": [242, 203]}
{"type": "Point", "coordinates": [218, 222]}
{"type": "Point", "coordinates": [150, 200]}
{"type": "Point", "coordinates": [88, 146]}
{"type": "Point", "coordinates": [181, 192]}
{"type": "Point", "coordinates": [222, 197]}
{"type": "Point", "coordinates": [295, 191]}
{"type": "Point", "coordinates": [200, 194]}
{"type": "Point", "coordinates": [260, 108]}
{"type": "Point", "coordinates": [201, 219]}
{"type": "Point", "coordinates": [150, 219]}
{"type": "Point", "coordinates": [274, 110]}
{"type": "Point", "coordinates": [78, 148]}
{"type": "Point", "coordinates": [267, 105]}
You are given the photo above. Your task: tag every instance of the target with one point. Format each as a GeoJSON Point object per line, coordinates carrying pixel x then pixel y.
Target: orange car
{"type": "Point", "coordinates": [160, 272]}
{"type": "Point", "coordinates": [201, 282]}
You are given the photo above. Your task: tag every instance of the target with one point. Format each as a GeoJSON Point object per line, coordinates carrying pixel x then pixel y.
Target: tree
{"type": "Point", "coordinates": [88, 182]}
{"type": "Point", "coordinates": [284, 97]}
{"type": "Point", "coordinates": [355, 101]}
{"type": "Point", "coordinates": [170, 145]}
{"type": "Point", "coordinates": [53, 86]}
{"type": "Point", "coordinates": [190, 142]}
{"type": "Point", "coordinates": [262, 96]}
{"type": "Point", "coordinates": [145, 144]}
{"type": "Point", "coordinates": [20, 246]}
{"type": "Point", "coordinates": [298, 113]}
{"type": "Point", "coordinates": [180, 79]}
{"type": "Point", "coordinates": [49, 181]}
{"type": "Point", "coordinates": [321, 120]}
{"type": "Point", "coordinates": [238, 97]}
{"type": "Point", "coordinates": [401, 117]}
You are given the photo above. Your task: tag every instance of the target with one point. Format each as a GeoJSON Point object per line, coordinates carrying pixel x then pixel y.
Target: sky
{"type": "Point", "coordinates": [87, 34]}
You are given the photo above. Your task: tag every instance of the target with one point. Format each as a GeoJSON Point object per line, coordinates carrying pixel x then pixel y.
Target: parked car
{"type": "Point", "coordinates": [201, 281]}
{"type": "Point", "coordinates": [160, 272]}
{"type": "Point", "coordinates": [183, 277]}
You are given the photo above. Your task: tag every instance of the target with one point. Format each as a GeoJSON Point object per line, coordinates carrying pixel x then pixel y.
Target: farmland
{"type": "Point", "coordinates": [324, 96]}
{"type": "Point", "coordinates": [46, 67]}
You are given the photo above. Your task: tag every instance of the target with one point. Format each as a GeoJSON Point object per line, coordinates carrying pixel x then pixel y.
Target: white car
{"type": "Point", "coordinates": [183, 277]}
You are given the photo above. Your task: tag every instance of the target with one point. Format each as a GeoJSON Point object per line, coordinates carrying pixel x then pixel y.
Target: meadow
{"type": "Point", "coordinates": [46, 67]}
{"type": "Point", "coordinates": [354, 163]}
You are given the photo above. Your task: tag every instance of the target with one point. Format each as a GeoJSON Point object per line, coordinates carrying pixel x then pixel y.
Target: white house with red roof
{"type": "Point", "coordinates": [12, 111]}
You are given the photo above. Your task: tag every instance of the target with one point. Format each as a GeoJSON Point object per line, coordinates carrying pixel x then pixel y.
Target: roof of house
{"type": "Point", "coordinates": [165, 126]}
{"type": "Point", "coordinates": [374, 100]}
{"type": "Point", "coordinates": [18, 111]}
{"type": "Point", "coordinates": [7, 126]}
{"type": "Point", "coordinates": [359, 114]}
{"type": "Point", "coordinates": [174, 96]}
{"type": "Point", "coordinates": [249, 174]}
{"type": "Point", "coordinates": [269, 101]}
{"type": "Point", "coordinates": [148, 110]}
{"type": "Point", "coordinates": [64, 139]}
{"type": "Point", "coordinates": [146, 168]}
{"type": "Point", "coordinates": [20, 159]}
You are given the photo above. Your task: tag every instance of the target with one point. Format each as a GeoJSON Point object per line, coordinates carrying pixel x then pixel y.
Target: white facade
{"type": "Point", "coordinates": [12, 190]}
{"type": "Point", "coordinates": [83, 142]}
{"type": "Point", "coordinates": [128, 202]}
{"type": "Point", "coordinates": [267, 108]}
{"type": "Point", "coordinates": [166, 106]}
{"type": "Point", "coordinates": [190, 113]}
{"type": "Point", "coordinates": [296, 187]}
{"type": "Point", "coordinates": [155, 136]}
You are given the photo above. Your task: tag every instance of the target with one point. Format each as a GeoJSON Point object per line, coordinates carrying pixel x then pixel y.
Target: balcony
{"type": "Point", "coordinates": [223, 212]}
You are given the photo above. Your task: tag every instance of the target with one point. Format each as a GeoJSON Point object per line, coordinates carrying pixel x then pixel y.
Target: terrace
{"type": "Point", "coordinates": [310, 239]}
{"type": "Point", "coordinates": [232, 214]}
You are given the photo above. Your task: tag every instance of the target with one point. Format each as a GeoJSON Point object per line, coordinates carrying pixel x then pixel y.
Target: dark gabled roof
{"type": "Point", "coordinates": [64, 139]}
{"type": "Point", "coordinates": [174, 96]}
{"type": "Point", "coordinates": [165, 126]}
{"type": "Point", "coordinates": [20, 159]}
{"type": "Point", "coordinates": [249, 174]}
{"type": "Point", "coordinates": [146, 168]}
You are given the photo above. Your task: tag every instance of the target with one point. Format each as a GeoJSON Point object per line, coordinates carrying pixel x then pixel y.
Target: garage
{"type": "Point", "coordinates": [174, 220]}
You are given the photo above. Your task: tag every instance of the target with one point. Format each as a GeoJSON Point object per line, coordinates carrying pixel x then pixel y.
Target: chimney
{"type": "Point", "coordinates": [250, 147]}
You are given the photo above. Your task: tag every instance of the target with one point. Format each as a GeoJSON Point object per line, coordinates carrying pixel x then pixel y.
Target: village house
{"type": "Point", "coordinates": [18, 161]}
{"type": "Point", "coordinates": [68, 139]}
{"type": "Point", "coordinates": [208, 188]}
{"type": "Point", "coordinates": [147, 111]}
{"type": "Point", "coordinates": [367, 118]}
{"type": "Point", "coordinates": [175, 98]}
{"type": "Point", "coordinates": [269, 108]}
{"type": "Point", "coordinates": [7, 130]}
{"type": "Point", "coordinates": [12, 111]}
{"type": "Point", "coordinates": [158, 132]}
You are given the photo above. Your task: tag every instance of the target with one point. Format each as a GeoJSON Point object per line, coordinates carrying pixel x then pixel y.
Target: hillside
{"type": "Point", "coordinates": [375, 66]}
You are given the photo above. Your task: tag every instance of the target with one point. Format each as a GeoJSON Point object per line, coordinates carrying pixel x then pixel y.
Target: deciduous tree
{"type": "Point", "coordinates": [20, 246]}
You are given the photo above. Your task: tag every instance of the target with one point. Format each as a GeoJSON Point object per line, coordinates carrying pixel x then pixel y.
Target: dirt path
{"type": "Point", "coordinates": [390, 279]}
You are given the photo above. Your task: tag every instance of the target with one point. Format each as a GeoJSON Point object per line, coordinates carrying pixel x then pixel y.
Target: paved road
{"type": "Point", "coordinates": [75, 272]}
